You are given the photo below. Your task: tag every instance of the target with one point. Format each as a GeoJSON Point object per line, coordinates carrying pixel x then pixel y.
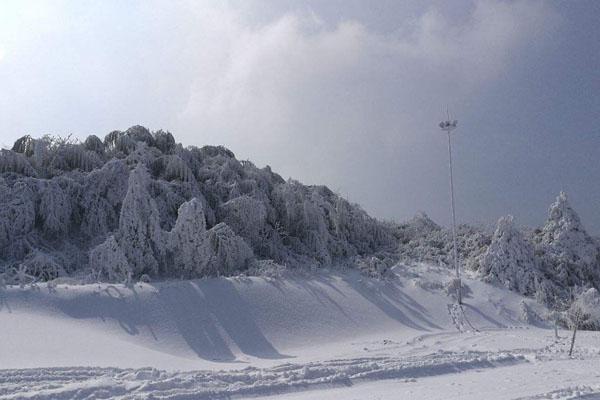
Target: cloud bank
{"type": "Point", "coordinates": [334, 103]}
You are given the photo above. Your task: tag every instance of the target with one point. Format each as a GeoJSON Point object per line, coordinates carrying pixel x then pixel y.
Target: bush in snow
{"type": "Point", "coordinates": [42, 266]}
{"type": "Point", "coordinates": [421, 239]}
{"type": "Point", "coordinates": [452, 286]}
{"type": "Point", "coordinates": [377, 267]}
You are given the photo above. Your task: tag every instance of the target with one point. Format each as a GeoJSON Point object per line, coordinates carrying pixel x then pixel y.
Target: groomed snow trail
{"type": "Point", "coordinates": [100, 383]}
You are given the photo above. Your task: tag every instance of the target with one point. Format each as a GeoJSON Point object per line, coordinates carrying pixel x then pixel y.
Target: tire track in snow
{"type": "Point", "coordinates": [575, 392]}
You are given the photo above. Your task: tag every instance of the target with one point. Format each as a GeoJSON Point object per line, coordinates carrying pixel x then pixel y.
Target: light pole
{"type": "Point", "coordinates": [448, 126]}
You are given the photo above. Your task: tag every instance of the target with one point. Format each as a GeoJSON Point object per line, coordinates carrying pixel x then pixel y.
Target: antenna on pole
{"type": "Point", "coordinates": [448, 126]}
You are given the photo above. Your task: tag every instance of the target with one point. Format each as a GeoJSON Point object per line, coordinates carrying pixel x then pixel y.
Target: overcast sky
{"type": "Point", "coordinates": [341, 92]}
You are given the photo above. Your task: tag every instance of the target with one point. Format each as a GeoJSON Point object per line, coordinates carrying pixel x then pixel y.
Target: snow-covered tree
{"type": "Point", "coordinates": [17, 215]}
{"type": "Point", "coordinates": [584, 312]}
{"type": "Point", "coordinates": [247, 217]}
{"type": "Point", "coordinates": [54, 210]}
{"type": "Point", "coordinates": [164, 141]}
{"type": "Point", "coordinates": [187, 241]}
{"type": "Point", "coordinates": [108, 262]}
{"type": "Point", "coordinates": [24, 145]}
{"type": "Point", "coordinates": [100, 198]}
{"type": "Point", "coordinates": [572, 255]}
{"type": "Point", "coordinates": [139, 234]}
{"type": "Point", "coordinates": [228, 252]}
{"type": "Point", "coordinates": [510, 260]}
{"type": "Point", "coordinates": [176, 168]}
{"type": "Point", "coordinates": [93, 143]}
{"type": "Point", "coordinates": [11, 161]}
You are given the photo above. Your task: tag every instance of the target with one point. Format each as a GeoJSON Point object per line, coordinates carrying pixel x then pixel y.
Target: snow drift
{"type": "Point", "coordinates": [235, 322]}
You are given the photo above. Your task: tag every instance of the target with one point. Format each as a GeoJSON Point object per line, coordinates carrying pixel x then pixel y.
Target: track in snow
{"type": "Point", "coordinates": [101, 383]}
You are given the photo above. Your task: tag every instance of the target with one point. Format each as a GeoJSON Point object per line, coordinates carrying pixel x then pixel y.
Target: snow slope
{"type": "Point", "coordinates": [327, 335]}
{"type": "Point", "coordinates": [231, 322]}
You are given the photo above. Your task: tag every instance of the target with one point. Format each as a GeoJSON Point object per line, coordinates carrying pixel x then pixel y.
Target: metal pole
{"type": "Point", "coordinates": [455, 251]}
{"type": "Point", "coordinates": [448, 126]}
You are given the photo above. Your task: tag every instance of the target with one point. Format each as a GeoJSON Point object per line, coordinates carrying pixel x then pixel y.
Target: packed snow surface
{"type": "Point", "coordinates": [318, 335]}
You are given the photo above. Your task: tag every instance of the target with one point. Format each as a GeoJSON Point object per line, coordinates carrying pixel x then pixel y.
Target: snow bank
{"type": "Point", "coordinates": [233, 322]}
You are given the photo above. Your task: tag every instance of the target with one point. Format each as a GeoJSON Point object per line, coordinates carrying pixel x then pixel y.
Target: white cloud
{"type": "Point", "coordinates": [322, 103]}
{"type": "Point", "coordinates": [338, 104]}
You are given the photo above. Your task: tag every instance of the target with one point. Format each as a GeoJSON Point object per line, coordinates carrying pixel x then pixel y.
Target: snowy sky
{"type": "Point", "coordinates": [341, 92]}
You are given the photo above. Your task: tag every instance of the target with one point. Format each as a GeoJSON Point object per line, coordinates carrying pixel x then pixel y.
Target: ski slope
{"type": "Point", "coordinates": [331, 332]}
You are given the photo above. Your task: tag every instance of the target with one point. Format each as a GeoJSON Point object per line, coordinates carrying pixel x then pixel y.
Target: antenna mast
{"type": "Point", "coordinates": [448, 126]}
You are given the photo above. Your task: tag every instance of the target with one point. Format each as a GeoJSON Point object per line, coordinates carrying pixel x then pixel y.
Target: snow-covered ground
{"type": "Point", "coordinates": [327, 335]}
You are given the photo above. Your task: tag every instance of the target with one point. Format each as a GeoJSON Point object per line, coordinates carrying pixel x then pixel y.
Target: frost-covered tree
{"type": "Point", "coordinates": [187, 241]}
{"type": "Point", "coordinates": [176, 168]}
{"type": "Point", "coordinates": [11, 161]}
{"type": "Point", "coordinates": [93, 143]}
{"type": "Point", "coordinates": [139, 234]}
{"type": "Point", "coordinates": [247, 217]}
{"type": "Point", "coordinates": [164, 141]}
{"type": "Point", "coordinates": [510, 260]}
{"type": "Point", "coordinates": [422, 239]}
{"type": "Point", "coordinates": [200, 252]}
{"type": "Point", "coordinates": [108, 262]}
{"type": "Point", "coordinates": [572, 255]}
{"type": "Point", "coordinates": [17, 216]}
{"type": "Point", "coordinates": [228, 252]}
{"type": "Point", "coordinates": [24, 145]}
{"type": "Point", "coordinates": [100, 198]}
{"type": "Point", "coordinates": [584, 312]}
{"type": "Point", "coordinates": [55, 209]}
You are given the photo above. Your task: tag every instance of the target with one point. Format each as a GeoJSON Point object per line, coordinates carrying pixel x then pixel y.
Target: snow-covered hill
{"type": "Point", "coordinates": [139, 206]}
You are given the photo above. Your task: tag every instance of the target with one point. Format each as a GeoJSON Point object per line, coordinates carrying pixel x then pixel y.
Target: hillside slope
{"type": "Point", "coordinates": [235, 322]}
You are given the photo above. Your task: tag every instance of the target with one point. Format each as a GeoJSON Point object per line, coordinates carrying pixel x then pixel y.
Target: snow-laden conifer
{"type": "Point", "coordinates": [187, 241]}
{"type": "Point", "coordinates": [510, 260]}
{"type": "Point", "coordinates": [572, 255]}
{"type": "Point", "coordinates": [139, 233]}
